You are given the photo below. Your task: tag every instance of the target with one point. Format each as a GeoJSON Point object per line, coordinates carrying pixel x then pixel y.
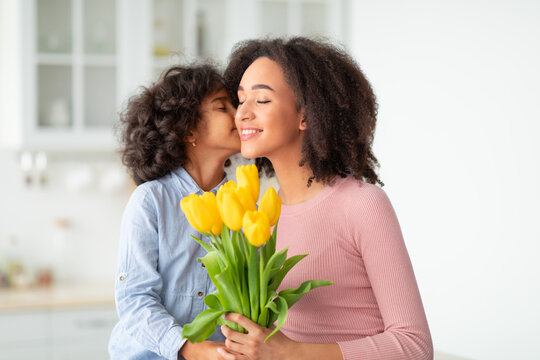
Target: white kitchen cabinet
{"type": "Point", "coordinates": [61, 62]}
{"type": "Point", "coordinates": [69, 66]}
{"type": "Point", "coordinates": [57, 334]}
{"type": "Point", "coordinates": [183, 30]}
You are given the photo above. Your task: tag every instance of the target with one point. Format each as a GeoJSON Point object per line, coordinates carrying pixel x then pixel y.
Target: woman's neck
{"type": "Point", "coordinates": [293, 180]}
{"type": "Point", "coordinates": [207, 171]}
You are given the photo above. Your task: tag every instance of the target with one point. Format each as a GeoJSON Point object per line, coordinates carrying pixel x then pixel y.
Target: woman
{"type": "Point", "coordinates": [177, 135]}
{"type": "Point", "coordinates": [306, 111]}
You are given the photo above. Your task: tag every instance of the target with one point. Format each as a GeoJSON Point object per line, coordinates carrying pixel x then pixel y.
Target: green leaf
{"type": "Point", "coordinates": [213, 302]}
{"type": "Point", "coordinates": [275, 262]}
{"type": "Point", "coordinates": [270, 247]}
{"type": "Point", "coordinates": [211, 262]}
{"type": "Point", "coordinates": [215, 242]}
{"type": "Point", "coordinates": [238, 251]}
{"type": "Point", "coordinates": [278, 306]}
{"type": "Point", "coordinates": [272, 317]}
{"type": "Point", "coordinates": [276, 280]}
{"type": "Point", "coordinates": [206, 247]}
{"type": "Point", "coordinates": [228, 289]}
{"type": "Point", "coordinates": [203, 326]}
{"type": "Point", "coordinates": [223, 281]}
{"type": "Point", "coordinates": [239, 273]}
{"type": "Point", "coordinates": [293, 295]}
{"type": "Point", "coordinates": [232, 325]}
{"type": "Point", "coordinates": [228, 247]}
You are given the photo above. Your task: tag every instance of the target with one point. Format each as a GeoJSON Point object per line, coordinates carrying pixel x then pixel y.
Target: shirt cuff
{"type": "Point", "coordinates": [171, 343]}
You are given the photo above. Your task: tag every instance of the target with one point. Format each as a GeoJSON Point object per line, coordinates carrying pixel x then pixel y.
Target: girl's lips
{"type": "Point", "coordinates": [249, 133]}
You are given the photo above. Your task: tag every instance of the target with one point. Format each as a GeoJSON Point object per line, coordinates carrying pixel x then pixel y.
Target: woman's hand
{"type": "Point", "coordinates": [251, 345]}
{"type": "Point", "coordinates": [207, 350]}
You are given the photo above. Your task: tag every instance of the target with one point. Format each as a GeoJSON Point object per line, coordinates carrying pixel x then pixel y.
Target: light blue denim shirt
{"type": "Point", "coordinates": [160, 286]}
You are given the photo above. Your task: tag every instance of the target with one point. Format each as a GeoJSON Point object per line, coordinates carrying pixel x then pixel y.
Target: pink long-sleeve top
{"type": "Point", "coordinates": [353, 238]}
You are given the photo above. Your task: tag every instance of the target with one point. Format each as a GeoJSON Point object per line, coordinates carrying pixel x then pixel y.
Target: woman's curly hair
{"type": "Point", "coordinates": [156, 122]}
{"type": "Point", "coordinates": [339, 105]}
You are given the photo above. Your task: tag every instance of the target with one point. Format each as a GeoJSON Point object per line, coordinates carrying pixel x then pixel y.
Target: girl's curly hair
{"type": "Point", "coordinates": [338, 101]}
{"type": "Point", "coordinates": [157, 121]}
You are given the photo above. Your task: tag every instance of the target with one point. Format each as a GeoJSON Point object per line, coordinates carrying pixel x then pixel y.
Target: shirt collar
{"type": "Point", "coordinates": [187, 183]}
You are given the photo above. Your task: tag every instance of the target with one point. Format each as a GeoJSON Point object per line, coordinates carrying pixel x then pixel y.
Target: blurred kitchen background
{"type": "Point", "coordinates": [458, 84]}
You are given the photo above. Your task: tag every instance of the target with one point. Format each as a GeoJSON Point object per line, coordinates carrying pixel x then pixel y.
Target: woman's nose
{"type": "Point", "coordinates": [243, 113]}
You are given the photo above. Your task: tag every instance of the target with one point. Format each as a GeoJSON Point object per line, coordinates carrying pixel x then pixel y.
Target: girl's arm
{"type": "Point", "coordinates": [139, 284]}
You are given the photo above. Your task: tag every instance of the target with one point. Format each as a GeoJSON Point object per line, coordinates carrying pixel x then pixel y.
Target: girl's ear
{"type": "Point", "coordinates": [190, 139]}
{"type": "Point", "coordinates": [302, 118]}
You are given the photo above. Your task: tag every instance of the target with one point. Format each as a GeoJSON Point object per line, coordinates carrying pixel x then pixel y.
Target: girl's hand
{"type": "Point", "coordinates": [207, 350]}
{"type": "Point", "coordinates": [251, 345]}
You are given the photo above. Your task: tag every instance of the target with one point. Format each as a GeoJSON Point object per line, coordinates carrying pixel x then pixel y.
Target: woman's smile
{"type": "Point", "coordinates": [247, 133]}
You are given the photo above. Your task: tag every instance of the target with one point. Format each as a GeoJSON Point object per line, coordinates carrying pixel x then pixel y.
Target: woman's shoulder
{"type": "Point", "coordinates": [351, 189]}
{"type": "Point", "coordinates": [359, 198]}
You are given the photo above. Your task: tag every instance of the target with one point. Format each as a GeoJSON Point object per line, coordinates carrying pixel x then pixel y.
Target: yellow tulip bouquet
{"type": "Point", "coordinates": [242, 260]}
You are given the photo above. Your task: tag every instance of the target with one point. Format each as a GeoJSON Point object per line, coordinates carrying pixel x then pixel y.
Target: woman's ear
{"type": "Point", "coordinates": [302, 118]}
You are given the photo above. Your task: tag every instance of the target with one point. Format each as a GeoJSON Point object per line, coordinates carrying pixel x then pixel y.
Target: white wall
{"type": "Point", "coordinates": [458, 84]}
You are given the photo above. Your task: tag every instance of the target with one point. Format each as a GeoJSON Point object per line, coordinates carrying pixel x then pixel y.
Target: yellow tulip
{"type": "Point", "coordinates": [212, 208]}
{"type": "Point", "coordinates": [243, 194]}
{"type": "Point", "coordinates": [228, 185]}
{"type": "Point", "coordinates": [230, 208]}
{"type": "Point", "coordinates": [271, 205]}
{"type": "Point", "coordinates": [233, 201]}
{"type": "Point", "coordinates": [248, 176]}
{"type": "Point", "coordinates": [256, 227]}
{"type": "Point", "coordinates": [202, 213]}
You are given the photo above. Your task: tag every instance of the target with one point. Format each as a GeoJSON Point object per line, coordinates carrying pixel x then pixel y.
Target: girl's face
{"type": "Point", "coordinates": [216, 132]}
{"type": "Point", "coordinates": [267, 117]}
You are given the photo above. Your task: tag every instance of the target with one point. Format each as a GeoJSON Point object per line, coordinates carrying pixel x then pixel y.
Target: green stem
{"type": "Point", "coordinates": [263, 289]}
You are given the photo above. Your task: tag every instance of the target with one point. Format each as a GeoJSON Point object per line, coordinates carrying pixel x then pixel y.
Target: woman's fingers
{"type": "Point", "coordinates": [227, 354]}
{"type": "Point", "coordinates": [233, 335]}
{"type": "Point", "coordinates": [243, 321]}
{"type": "Point", "coordinates": [234, 347]}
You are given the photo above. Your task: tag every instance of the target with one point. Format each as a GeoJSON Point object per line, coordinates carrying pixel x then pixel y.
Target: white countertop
{"type": "Point", "coordinates": [56, 296]}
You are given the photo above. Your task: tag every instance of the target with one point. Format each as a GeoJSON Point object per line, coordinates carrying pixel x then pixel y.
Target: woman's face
{"type": "Point", "coordinates": [267, 117]}
{"type": "Point", "coordinates": [216, 132]}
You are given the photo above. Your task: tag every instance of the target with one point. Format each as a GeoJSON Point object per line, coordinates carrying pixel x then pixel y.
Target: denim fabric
{"type": "Point", "coordinates": [160, 285]}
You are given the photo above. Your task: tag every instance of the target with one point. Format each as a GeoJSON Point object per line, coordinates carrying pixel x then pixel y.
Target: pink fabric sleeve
{"type": "Point", "coordinates": [378, 238]}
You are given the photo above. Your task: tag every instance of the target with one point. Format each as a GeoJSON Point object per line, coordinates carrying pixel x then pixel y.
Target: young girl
{"type": "Point", "coordinates": [306, 111]}
{"type": "Point", "coordinates": [177, 135]}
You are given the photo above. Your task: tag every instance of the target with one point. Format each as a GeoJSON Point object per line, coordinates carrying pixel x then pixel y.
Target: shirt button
{"type": "Point", "coordinates": [203, 265]}
{"type": "Point", "coordinates": [200, 293]}
{"type": "Point", "coordinates": [122, 278]}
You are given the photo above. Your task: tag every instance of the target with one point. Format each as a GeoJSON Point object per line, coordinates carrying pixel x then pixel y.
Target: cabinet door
{"type": "Point", "coordinates": [37, 349]}
{"type": "Point", "coordinates": [82, 333]}
{"type": "Point", "coordinates": [68, 75]}
{"type": "Point", "coordinates": [24, 335]}
{"type": "Point", "coordinates": [184, 30]}
{"type": "Point", "coordinates": [300, 17]}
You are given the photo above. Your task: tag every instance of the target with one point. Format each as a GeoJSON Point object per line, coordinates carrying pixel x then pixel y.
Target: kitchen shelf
{"type": "Point", "coordinates": [56, 297]}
